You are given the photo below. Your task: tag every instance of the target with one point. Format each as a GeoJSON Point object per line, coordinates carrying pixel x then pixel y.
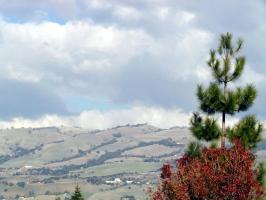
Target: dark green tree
{"type": "Point", "coordinates": [261, 172]}
{"type": "Point", "coordinates": [77, 194]}
{"type": "Point", "coordinates": [193, 149]}
{"type": "Point", "coordinates": [227, 65]}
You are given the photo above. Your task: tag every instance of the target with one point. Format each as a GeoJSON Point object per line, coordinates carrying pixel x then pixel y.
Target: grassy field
{"type": "Point", "coordinates": [137, 191]}
{"type": "Point", "coordinates": [116, 168]}
{"type": "Point", "coordinates": [66, 186]}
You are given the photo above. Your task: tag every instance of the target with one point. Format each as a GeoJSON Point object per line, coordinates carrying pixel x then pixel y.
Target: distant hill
{"type": "Point", "coordinates": [53, 147]}
{"type": "Point", "coordinates": [120, 160]}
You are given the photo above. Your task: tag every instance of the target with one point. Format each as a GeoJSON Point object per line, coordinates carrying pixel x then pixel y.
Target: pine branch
{"type": "Point", "coordinates": [206, 129]}
{"type": "Point", "coordinates": [245, 97]}
{"type": "Point", "coordinates": [209, 98]}
{"type": "Point", "coordinates": [248, 130]}
{"type": "Point", "coordinates": [239, 67]}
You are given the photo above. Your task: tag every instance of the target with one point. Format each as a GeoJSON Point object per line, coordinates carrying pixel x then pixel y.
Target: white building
{"type": "Point", "coordinates": [115, 181]}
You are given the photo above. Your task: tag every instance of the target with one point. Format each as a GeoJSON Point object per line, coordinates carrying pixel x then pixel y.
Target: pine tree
{"type": "Point", "coordinates": [77, 194]}
{"type": "Point", "coordinates": [226, 65]}
{"type": "Point", "coordinates": [230, 172]}
{"type": "Point", "coordinates": [261, 173]}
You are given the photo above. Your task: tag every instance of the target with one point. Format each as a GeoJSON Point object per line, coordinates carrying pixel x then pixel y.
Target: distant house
{"type": "Point", "coordinates": [129, 182]}
{"type": "Point", "coordinates": [115, 181]}
{"type": "Point", "coordinates": [24, 169]}
{"type": "Point", "coordinates": [27, 166]}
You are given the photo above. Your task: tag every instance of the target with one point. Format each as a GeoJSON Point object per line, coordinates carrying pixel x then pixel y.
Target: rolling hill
{"type": "Point", "coordinates": [116, 162]}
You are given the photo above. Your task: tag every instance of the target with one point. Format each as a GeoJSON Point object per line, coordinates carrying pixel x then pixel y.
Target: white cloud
{"type": "Point", "coordinates": [98, 4]}
{"type": "Point", "coordinates": [21, 74]}
{"type": "Point", "coordinates": [251, 76]}
{"type": "Point", "coordinates": [138, 114]}
{"type": "Point", "coordinates": [92, 65]}
{"type": "Point", "coordinates": [45, 50]}
{"type": "Point", "coordinates": [127, 13]}
{"type": "Point", "coordinates": [163, 13]}
{"type": "Point", "coordinates": [94, 56]}
{"type": "Point", "coordinates": [94, 119]}
{"type": "Point", "coordinates": [152, 52]}
{"type": "Point", "coordinates": [184, 18]}
{"type": "Point", "coordinates": [45, 121]}
{"type": "Point", "coordinates": [203, 73]}
{"type": "Point", "coordinates": [71, 41]}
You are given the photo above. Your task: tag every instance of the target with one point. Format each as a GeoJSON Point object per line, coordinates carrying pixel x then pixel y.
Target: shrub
{"type": "Point", "coordinates": [21, 184]}
{"type": "Point", "coordinates": [217, 174]}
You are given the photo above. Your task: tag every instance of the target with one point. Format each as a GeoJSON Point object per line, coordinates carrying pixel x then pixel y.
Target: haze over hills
{"type": "Point", "coordinates": [118, 161]}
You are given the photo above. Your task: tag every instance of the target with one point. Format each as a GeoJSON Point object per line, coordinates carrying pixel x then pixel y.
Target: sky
{"type": "Point", "coordinates": [102, 63]}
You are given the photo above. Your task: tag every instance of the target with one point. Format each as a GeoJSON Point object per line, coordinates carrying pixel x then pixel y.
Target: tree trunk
{"type": "Point", "coordinates": [223, 121]}
{"type": "Point", "coordinates": [223, 131]}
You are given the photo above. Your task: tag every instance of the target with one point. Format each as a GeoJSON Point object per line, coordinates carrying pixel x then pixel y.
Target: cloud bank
{"type": "Point", "coordinates": [120, 53]}
{"type": "Point", "coordinates": [101, 120]}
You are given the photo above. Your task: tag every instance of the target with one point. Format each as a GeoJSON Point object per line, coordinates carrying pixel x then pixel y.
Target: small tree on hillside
{"type": "Point", "coordinates": [77, 194]}
{"type": "Point", "coordinates": [226, 65]}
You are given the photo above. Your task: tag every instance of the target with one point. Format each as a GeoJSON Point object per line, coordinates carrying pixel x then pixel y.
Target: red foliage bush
{"type": "Point", "coordinates": [217, 174]}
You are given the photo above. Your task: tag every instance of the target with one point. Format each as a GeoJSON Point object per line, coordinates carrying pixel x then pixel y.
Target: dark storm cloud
{"type": "Point", "coordinates": [149, 81]}
{"type": "Point", "coordinates": [27, 100]}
